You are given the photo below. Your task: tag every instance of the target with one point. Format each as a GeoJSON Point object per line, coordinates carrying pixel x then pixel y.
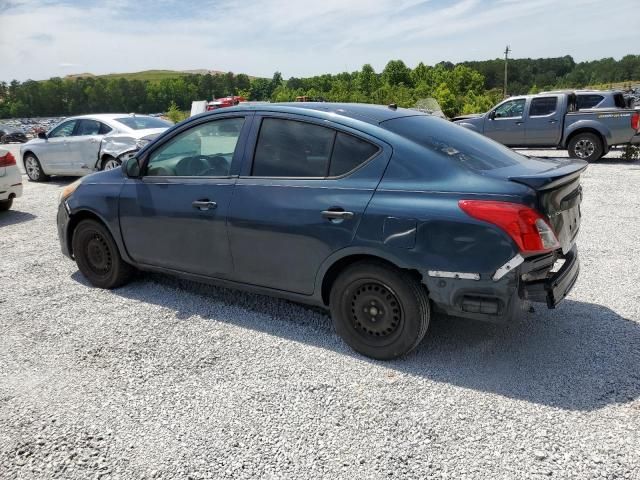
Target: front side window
{"type": "Point", "coordinates": [88, 127]}
{"type": "Point", "coordinates": [205, 150]}
{"type": "Point", "coordinates": [63, 130]}
{"type": "Point", "coordinates": [543, 106]}
{"type": "Point", "coordinates": [511, 109]}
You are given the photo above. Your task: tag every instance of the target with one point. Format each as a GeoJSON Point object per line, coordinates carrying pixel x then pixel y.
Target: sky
{"type": "Point", "coordinates": [40, 39]}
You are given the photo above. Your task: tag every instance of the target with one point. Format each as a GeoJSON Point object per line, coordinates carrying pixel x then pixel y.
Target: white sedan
{"type": "Point", "coordinates": [81, 145]}
{"type": "Point", "coordinates": [10, 180]}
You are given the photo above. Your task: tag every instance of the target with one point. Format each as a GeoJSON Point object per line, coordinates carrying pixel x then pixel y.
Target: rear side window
{"type": "Point", "coordinates": [289, 148]}
{"type": "Point", "coordinates": [461, 145]}
{"type": "Point", "coordinates": [348, 153]}
{"type": "Point", "coordinates": [543, 106]}
{"type": "Point", "coordinates": [88, 127]}
{"type": "Point", "coordinates": [589, 101]}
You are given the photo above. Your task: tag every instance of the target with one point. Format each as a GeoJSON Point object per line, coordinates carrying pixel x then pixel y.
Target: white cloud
{"type": "Point", "coordinates": [262, 36]}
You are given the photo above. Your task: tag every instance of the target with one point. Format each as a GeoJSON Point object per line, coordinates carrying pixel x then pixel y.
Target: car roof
{"type": "Point", "coordinates": [373, 114]}
{"type": "Point", "coordinates": [106, 116]}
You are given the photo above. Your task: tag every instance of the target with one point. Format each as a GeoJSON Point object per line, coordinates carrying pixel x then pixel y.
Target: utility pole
{"type": "Point", "coordinates": [506, 58]}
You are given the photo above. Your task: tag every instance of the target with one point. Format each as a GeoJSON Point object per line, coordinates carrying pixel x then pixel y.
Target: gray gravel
{"type": "Point", "coordinates": [170, 379]}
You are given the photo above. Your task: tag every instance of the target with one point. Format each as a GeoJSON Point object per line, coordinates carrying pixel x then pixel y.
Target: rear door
{"type": "Point", "coordinates": [174, 217]}
{"type": "Point", "coordinates": [544, 122]}
{"type": "Point", "coordinates": [300, 197]}
{"type": "Point", "coordinates": [505, 124]}
{"type": "Point", "coordinates": [84, 145]}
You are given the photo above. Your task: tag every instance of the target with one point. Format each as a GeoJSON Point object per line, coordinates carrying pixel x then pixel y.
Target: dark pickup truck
{"type": "Point", "coordinates": [555, 120]}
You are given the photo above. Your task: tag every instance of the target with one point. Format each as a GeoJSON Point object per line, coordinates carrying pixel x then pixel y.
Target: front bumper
{"type": "Point", "coordinates": [63, 220]}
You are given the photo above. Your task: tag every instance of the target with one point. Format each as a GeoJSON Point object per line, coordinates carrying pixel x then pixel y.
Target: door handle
{"type": "Point", "coordinates": [336, 214]}
{"type": "Point", "coordinates": [519, 123]}
{"type": "Point", "coordinates": [553, 121]}
{"type": "Point", "coordinates": [203, 205]}
{"type": "Point", "coordinates": [94, 140]}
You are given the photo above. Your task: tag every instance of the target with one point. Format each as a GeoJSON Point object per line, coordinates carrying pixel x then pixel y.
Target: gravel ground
{"type": "Point", "coordinates": [171, 379]}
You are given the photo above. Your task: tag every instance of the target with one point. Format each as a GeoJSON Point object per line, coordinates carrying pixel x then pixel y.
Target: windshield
{"type": "Point", "coordinates": [142, 123]}
{"type": "Point", "coordinates": [469, 148]}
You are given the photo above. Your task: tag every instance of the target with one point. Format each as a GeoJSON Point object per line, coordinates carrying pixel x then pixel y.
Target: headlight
{"type": "Point", "coordinates": [141, 142]}
{"type": "Point", "coordinates": [69, 189]}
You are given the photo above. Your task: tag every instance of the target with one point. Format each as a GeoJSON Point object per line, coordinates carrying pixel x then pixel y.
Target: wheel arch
{"type": "Point", "coordinates": [79, 216]}
{"type": "Point", "coordinates": [592, 130]}
{"type": "Point", "coordinates": [333, 269]}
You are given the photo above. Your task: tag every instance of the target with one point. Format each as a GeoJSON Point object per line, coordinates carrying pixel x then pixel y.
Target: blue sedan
{"type": "Point", "coordinates": [380, 214]}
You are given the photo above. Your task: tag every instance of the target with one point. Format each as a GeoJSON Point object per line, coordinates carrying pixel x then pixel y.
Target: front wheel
{"type": "Point", "coordinates": [109, 163]}
{"type": "Point", "coordinates": [586, 146]}
{"type": "Point", "coordinates": [380, 311]}
{"type": "Point", "coordinates": [97, 256]}
{"type": "Point", "coordinates": [34, 169]}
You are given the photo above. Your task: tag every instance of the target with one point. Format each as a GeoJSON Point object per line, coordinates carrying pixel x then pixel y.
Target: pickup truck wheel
{"type": "Point", "coordinates": [586, 146]}
{"type": "Point", "coordinates": [109, 163]}
{"type": "Point", "coordinates": [34, 169]}
{"type": "Point", "coordinates": [6, 204]}
{"type": "Point", "coordinates": [379, 311]}
{"type": "Point", "coordinates": [97, 256]}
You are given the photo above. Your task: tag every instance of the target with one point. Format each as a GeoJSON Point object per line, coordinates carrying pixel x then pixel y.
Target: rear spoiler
{"type": "Point", "coordinates": [550, 179]}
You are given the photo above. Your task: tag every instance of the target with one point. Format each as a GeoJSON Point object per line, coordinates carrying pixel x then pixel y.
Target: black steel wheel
{"type": "Point", "coordinates": [97, 256]}
{"type": "Point", "coordinates": [379, 311]}
{"type": "Point", "coordinates": [6, 204]}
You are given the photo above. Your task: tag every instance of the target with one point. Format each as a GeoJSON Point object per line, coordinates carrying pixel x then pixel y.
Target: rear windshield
{"type": "Point", "coordinates": [142, 123]}
{"type": "Point", "coordinates": [469, 148]}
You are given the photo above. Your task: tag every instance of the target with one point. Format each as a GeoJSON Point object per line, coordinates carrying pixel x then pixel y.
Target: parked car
{"type": "Point", "coordinates": [81, 145]}
{"type": "Point", "coordinates": [554, 120]}
{"type": "Point", "coordinates": [9, 134]}
{"type": "Point", "coordinates": [10, 180]}
{"type": "Point", "coordinates": [380, 214]}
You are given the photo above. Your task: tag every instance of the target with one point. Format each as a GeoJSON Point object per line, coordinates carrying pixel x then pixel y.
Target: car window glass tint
{"type": "Point", "coordinates": [288, 148]}
{"type": "Point", "coordinates": [88, 127]}
{"type": "Point", "coordinates": [589, 101]}
{"type": "Point", "coordinates": [205, 150]}
{"type": "Point", "coordinates": [64, 130]}
{"type": "Point", "coordinates": [348, 153]}
{"type": "Point", "coordinates": [543, 106]}
{"type": "Point", "coordinates": [511, 109]}
{"type": "Point", "coordinates": [104, 129]}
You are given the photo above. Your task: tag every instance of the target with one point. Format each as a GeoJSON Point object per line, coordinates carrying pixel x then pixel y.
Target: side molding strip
{"type": "Point", "coordinates": [460, 275]}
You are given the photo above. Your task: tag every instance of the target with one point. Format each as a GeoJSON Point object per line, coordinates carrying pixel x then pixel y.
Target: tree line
{"type": "Point", "coordinates": [463, 88]}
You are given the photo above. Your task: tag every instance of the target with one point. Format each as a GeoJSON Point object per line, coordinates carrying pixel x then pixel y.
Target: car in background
{"type": "Point", "coordinates": [81, 145]}
{"type": "Point", "coordinates": [10, 179]}
{"type": "Point", "coordinates": [379, 214]}
{"type": "Point", "coordinates": [9, 134]}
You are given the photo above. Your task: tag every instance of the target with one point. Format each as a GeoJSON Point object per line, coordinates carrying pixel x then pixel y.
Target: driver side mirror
{"type": "Point", "coordinates": [132, 167]}
{"type": "Point", "coordinates": [42, 135]}
{"type": "Point", "coordinates": [492, 115]}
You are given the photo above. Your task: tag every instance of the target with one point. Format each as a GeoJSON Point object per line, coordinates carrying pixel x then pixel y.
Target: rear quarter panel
{"type": "Point", "coordinates": [613, 125]}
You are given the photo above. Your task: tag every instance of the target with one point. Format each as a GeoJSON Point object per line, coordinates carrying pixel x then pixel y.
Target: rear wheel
{"type": "Point", "coordinates": [6, 204]}
{"type": "Point", "coordinates": [34, 169]}
{"type": "Point", "coordinates": [586, 146]}
{"type": "Point", "coordinates": [378, 310]}
{"type": "Point", "coordinates": [109, 163]}
{"type": "Point", "coordinates": [97, 256]}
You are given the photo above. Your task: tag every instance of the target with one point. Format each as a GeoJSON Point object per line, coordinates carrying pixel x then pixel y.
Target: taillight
{"type": "Point", "coordinates": [635, 121]}
{"type": "Point", "coordinates": [528, 228]}
{"type": "Point", "coordinates": [7, 160]}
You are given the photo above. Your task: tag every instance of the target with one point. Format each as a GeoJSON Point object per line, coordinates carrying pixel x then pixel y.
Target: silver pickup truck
{"type": "Point", "coordinates": [555, 120]}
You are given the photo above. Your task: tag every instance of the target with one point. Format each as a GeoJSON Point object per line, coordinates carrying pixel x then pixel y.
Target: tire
{"type": "Point", "coordinates": [6, 204]}
{"type": "Point", "coordinates": [109, 163]}
{"type": "Point", "coordinates": [34, 169]}
{"type": "Point", "coordinates": [97, 256]}
{"type": "Point", "coordinates": [379, 311]}
{"type": "Point", "coordinates": [586, 146]}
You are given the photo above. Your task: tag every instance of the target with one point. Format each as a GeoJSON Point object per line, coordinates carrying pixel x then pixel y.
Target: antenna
{"type": "Point", "coordinates": [506, 59]}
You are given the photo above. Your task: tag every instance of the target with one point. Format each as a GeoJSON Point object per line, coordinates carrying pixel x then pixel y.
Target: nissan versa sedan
{"type": "Point", "coordinates": [382, 215]}
{"type": "Point", "coordinates": [81, 145]}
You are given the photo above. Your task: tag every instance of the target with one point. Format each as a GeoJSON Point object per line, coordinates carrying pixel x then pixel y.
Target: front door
{"type": "Point", "coordinates": [505, 124]}
{"type": "Point", "coordinates": [299, 200]}
{"type": "Point", "coordinates": [175, 215]}
{"type": "Point", "coordinates": [54, 154]}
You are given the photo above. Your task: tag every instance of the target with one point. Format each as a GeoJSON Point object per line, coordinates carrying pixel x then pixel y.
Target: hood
{"type": "Point", "coordinates": [467, 116]}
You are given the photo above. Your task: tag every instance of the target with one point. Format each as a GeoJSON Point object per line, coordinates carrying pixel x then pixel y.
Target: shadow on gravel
{"type": "Point", "coordinates": [580, 356]}
{"type": "Point", "coordinates": [12, 217]}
